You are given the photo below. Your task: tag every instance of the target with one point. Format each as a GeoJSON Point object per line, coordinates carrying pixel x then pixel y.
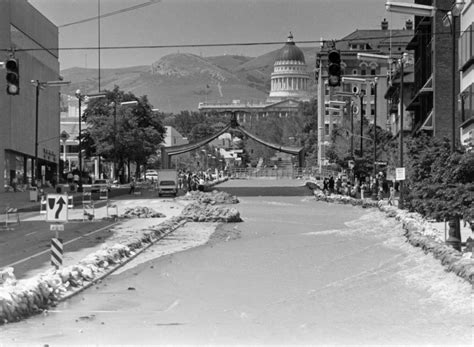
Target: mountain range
{"type": "Point", "coordinates": [178, 82]}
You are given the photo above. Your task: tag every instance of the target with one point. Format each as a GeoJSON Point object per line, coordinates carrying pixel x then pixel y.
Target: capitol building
{"type": "Point", "coordinates": [290, 83]}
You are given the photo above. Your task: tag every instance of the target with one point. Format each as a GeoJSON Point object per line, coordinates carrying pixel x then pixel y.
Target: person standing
{"type": "Point", "coordinates": [391, 197]}
{"type": "Point", "coordinates": [132, 187]}
{"type": "Point", "coordinates": [331, 185]}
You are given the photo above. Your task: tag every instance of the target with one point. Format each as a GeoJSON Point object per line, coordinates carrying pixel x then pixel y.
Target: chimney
{"type": "Point", "coordinates": [384, 24]}
{"type": "Point", "coordinates": [409, 24]}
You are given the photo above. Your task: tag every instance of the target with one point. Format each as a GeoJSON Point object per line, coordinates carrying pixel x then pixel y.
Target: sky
{"type": "Point", "coordinates": [191, 22]}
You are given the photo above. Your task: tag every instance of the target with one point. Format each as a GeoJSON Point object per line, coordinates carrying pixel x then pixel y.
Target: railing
{"type": "Point", "coordinates": [281, 173]}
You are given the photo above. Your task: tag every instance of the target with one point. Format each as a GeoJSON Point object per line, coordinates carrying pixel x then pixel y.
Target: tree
{"type": "Point", "coordinates": [440, 184]}
{"type": "Point", "coordinates": [122, 134]}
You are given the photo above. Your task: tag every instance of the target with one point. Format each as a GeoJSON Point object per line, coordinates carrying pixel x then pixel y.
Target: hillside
{"type": "Point", "coordinates": [179, 82]}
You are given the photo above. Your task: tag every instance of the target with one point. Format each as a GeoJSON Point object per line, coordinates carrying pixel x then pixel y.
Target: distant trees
{"type": "Point", "coordinates": [122, 134]}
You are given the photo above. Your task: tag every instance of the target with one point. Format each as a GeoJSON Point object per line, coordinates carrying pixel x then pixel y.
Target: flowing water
{"type": "Point", "coordinates": [296, 271]}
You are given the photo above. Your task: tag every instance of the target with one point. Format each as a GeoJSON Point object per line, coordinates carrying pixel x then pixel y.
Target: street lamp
{"type": "Point", "coordinates": [41, 85]}
{"type": "Point", "coordinates": [114, 105]}
{"type": "Point", "coordinates": [80, 97]}
{"type": "Point", "coordinates": [360, 94]}
{"type": "Point", "coordinates": [351, 115]}
{"type": "Point", "coordinates": [401, 62]}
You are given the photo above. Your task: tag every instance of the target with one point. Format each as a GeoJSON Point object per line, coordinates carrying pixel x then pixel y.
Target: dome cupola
{"type": "Point", "coordinates": [290, 52]}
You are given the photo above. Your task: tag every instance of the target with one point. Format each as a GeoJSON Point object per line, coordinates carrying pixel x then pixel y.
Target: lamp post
{"type": "Point", "coordinates": [351, 115]}
{"type": "Point", "coordinates": [81, 97]}
{"type": "Point", "coordinates": [360, 94]}
{"type": "Point", "coordinates": [41, 85]}
{"type": "Point", "coordinates": [401, 61]}
{"type": "Point", "coordinates": [448, 20]}
{"type": "Point", "coordinates": [114, 105]}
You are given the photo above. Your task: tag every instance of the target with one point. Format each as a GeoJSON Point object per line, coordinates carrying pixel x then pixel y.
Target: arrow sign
{"type": "Point", "coordinates": [60, 202]}
{"type": "Point", "coordinates": [55, 211]}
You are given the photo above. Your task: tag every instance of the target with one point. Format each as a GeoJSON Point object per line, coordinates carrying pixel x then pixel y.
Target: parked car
{"type": "Point", "coordinates": [100, 184]}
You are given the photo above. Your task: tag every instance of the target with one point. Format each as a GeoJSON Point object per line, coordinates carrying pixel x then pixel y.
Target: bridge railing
{"type": "Point", "coordinates": [281, 173]}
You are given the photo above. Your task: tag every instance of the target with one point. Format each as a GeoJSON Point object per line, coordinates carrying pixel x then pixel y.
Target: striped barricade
{"type": "Point", "coordinates": [70, 201]}
{"type": "Point", "coordinates": [56, 252]}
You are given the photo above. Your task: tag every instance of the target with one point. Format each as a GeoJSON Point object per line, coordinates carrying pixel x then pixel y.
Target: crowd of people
{"type": "Point", "coordinates": [378, 187]}
{"type": "Point", "coordinates": [191, 181]}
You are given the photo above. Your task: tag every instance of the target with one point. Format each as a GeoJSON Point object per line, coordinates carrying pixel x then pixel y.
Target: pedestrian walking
{"type": "Point", "coordinates": [132, 187]}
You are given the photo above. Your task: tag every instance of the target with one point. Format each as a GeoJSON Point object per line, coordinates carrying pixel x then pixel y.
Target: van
{"type": "Point", "coordinates": [167, 182]}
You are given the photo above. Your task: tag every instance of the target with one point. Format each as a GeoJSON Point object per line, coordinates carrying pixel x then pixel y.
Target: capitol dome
{"type": "Point", "coordinates": [290, 52]}
{"type": "Point", "coordinates": [289, 79]}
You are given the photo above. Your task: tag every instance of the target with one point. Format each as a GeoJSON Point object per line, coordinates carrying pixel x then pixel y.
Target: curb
{"type": "Point", "coordinates": [126, 261]}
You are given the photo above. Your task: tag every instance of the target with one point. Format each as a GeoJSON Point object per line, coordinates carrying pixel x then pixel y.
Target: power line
{"type": "Point", "coordinates": [127, 9]}
{"type": "Point", "coordinates": [263, 43]}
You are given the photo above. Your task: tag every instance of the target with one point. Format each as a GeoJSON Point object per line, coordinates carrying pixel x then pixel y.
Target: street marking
{"type": "Point", "coordinates": [65, 243]}
{"type": "Point", "coordinates": [34, 232]}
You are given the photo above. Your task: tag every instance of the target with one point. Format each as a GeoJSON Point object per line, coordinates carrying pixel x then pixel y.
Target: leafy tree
{"type": "Point", "coordinates": [122, 134]}
{"type": "Point", "coordinates": [440, 184]}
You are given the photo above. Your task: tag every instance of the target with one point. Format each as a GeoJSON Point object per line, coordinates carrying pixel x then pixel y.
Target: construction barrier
{"type": "Point", "coordinates": [43, 204]}
{"type": "Point", "coordinates": [11, 211]}
{"type": "Point", "coordinates": [56, 252]}
{"type": "Point", "coordinates": [88, 209]}
{"type": "Point", "coordinates": [70, 201]}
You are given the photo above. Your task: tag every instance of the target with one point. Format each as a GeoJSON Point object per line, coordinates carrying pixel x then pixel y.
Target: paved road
{"type": "Point", "coordinates": [28, 248]}
{"type": "Point", "coordinates": [296, 271]}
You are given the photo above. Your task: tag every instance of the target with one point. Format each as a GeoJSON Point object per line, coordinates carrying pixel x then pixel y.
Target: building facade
{"type": "Point", "coordinates": [466, 67]}
{"type": "Point", "coordinates": [367, 99]}
{"type": "Point", "coordinates": [23, 27]}
{"type": "Point", "coordinates": [435, 62]}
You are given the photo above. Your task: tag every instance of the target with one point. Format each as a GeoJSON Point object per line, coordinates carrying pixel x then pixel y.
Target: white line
{"type": "Point", "coordinates": [66, 243]}
{"type": "Point", "coordinates": [34, 232]}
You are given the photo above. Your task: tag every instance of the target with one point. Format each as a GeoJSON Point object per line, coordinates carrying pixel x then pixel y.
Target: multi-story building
{"type": "Point", "coordinates": [466, 66]}
{"type": "Point", "coordinates": [29, 37]}
{"type": "Point", "coordinates": [431, 100]}
{"type": "Point", "coordinates": [383, 41]}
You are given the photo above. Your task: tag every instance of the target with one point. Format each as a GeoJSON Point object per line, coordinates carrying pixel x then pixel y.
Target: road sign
{"type": "Point", "coordinates": [400, 173]}
{"type": "Point", "coordinates": [56, 227]}
{"type": "Point", "coordinates": [381, 163]}
{"type": "Point", "coordinates": [56, 208]}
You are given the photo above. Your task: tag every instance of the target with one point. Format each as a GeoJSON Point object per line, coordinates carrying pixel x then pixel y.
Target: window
{"type": "Point", "coordinates": [355, 72]}
{"type": "Point", "coordinates": [466, 42]}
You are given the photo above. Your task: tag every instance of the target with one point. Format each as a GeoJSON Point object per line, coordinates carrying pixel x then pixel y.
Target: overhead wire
{"type": "Point", "coordinates": [202, 45]}
{"type": "Point", "coordinates": [127, 9]}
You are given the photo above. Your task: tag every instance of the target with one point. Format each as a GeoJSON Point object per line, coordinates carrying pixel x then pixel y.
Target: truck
{"type": "Point", "coordinates": [167, 182]}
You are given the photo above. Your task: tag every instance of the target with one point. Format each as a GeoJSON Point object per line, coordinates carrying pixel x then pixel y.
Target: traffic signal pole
{"type": "Point", "coordinates": [36, 165]}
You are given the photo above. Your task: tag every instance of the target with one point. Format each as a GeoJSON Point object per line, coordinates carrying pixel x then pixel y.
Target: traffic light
{"type": "Point", "coordinates": [13, 76]}
{"type": "Point", "coordinates": [334, 68]}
